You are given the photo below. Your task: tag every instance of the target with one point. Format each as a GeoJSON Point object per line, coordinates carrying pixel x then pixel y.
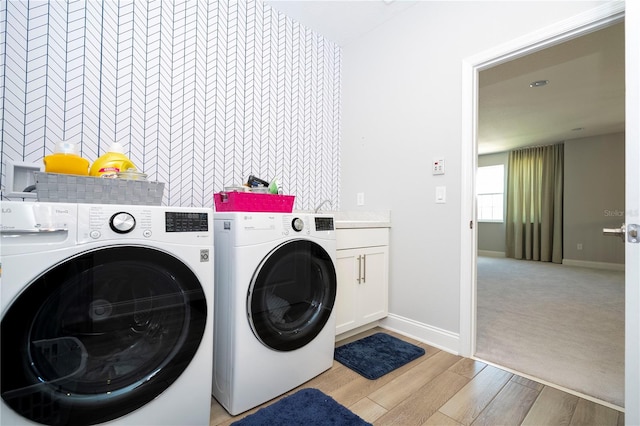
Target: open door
{"type": "Point", "coordinates": [601, 16]}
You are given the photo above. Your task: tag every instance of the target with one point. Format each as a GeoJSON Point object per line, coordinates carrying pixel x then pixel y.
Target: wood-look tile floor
{"type": "Point", "coordinates": [440, 388]}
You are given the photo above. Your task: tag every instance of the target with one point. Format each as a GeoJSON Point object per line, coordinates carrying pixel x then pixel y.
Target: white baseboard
{"type": "Point", "coordinates": [596, 265]}
{"type": "Point", "coordinates": [489, 253]}
{"type": "Point", "coordinates": [441, 339]}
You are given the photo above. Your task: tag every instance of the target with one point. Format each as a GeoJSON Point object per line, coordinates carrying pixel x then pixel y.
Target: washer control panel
{"type": "Point", "coordinates": [101, 222]}
{"type": "Point", "coordinates": [107, 222]}
{"type": "Point", "coordinates": [186, 221]}
{"type": "Point", "coordinates": [122, 222]}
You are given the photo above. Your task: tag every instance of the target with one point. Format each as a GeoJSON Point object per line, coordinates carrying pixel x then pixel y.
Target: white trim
{"type": "Point", "coordinates": [596, 265]}
{"type": "Point", "coordinates": [632, 207]}
{"type": "Point", "coordinates": [576, 26]}
{"type": "Point", "coordinates": [434, 336]}
{"type": "Point", "coordinates": [468, 240]}
{"type": "Point", "coordinates": [581, 24]}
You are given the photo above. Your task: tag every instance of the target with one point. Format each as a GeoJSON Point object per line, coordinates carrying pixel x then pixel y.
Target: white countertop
{"type": "Point", "coordinates": [362, 219]}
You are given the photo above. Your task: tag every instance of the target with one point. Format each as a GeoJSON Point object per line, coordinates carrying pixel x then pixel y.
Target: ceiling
{"type": "Point", "coordinates": [584, 96]}
{"type": "Point", "coordinates": [341, 21]}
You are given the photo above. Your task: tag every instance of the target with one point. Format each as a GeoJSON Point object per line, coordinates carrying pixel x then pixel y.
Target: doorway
{"type": "Point", "coordinates": [565, 327]}
{"type": "Point", "coordinates": [598, 18]}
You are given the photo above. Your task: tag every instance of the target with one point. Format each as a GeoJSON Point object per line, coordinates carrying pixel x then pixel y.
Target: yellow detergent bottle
{"type": "Point", "coordinates": [109, 164]}
{"type": "Point", "coordinates": [65, 159]}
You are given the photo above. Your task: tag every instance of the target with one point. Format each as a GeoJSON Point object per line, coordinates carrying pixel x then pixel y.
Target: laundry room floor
{"type": "Point", "coordinates": [440, 388]}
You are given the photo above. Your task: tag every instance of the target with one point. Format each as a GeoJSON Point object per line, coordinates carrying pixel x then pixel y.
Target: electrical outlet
{"type": "Point", "coordinates": [360, 199]}
{"type": "Point", "coordinates": [579, 246]}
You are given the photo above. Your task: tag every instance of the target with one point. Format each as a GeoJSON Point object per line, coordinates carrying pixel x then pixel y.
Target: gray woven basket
{"type": "Point", "coordinates": [55, 187]}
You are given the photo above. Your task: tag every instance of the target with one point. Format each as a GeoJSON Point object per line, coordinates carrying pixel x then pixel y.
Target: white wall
{"type": "Point", "coordinates": [201, 94]}
{"type": "Point", "coordinates": [401, 91]}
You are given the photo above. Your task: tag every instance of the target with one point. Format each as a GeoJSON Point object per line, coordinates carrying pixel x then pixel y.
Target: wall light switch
{"type": "Point", "coordinates": [360, 199]}
{"type": "Point", "coordinates": [441, 194]}
{"type": "Point", "coordinates": [438, 166]}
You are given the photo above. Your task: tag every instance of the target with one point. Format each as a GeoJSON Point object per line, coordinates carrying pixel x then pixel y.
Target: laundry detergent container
{"type": "Point", "coordinates": [65, 159]}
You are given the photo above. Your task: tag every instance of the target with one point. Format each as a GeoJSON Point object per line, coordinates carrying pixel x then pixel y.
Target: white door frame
{"type": "Point", "coordinates": [632, 207]}
{"type": "Point", "coordinates": [579, 25]}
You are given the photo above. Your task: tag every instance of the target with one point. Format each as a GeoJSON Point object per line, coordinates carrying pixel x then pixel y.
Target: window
{"type": "Point", "coordinates": [490, 190]}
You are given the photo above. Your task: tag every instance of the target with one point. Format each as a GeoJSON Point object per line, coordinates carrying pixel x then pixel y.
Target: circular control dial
{"type": "Point", "coordinates": [297, 224]}
{"type": "Point", "coordinates": [122, 222]}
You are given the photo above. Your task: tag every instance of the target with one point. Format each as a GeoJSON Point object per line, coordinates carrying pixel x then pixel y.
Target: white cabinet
{"type": "Point", "coordinates": [362, 262]}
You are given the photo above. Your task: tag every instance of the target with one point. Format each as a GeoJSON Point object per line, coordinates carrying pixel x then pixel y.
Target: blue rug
{"type": "Point", "coordinates": [305, 407]}
{"type": "Point", "coordinates": [376, 355]}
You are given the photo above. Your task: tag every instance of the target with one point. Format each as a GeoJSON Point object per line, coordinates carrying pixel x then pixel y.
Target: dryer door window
{"type": "Point", "coordinates": [100, 335]}
{"type": "Point", "coordinates": [291, 295]}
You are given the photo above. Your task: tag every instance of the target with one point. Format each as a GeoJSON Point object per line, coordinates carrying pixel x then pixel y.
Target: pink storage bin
{"type": "Point", "coordinates": [253, 202]}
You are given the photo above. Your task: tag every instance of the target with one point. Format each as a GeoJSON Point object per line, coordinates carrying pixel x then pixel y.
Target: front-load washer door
{"type": "Point", "coordinates": [100, 335]}
{"type": "Point", "coordinates": [291, 295]}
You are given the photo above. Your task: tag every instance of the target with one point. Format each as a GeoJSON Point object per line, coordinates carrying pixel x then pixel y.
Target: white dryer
{"type": "Point", "coordinates": [275, 287]}
{"type": "Point", "coordinates": [107, 314]}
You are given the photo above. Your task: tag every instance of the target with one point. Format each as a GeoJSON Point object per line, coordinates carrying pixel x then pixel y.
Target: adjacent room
{"type": "Point", "coordinates": [550, 284]}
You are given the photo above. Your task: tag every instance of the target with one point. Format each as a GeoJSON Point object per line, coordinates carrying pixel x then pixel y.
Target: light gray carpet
{"type": "Point", "coordinates": [562, 324]}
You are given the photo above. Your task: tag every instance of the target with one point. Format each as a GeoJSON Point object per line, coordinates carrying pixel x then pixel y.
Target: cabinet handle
{"type": "Point", "coordinates": [359, 269]}
{"type": "Point", "coordinates": [364, 268]}
{"type": "Point", "coordinates": [33, 231]}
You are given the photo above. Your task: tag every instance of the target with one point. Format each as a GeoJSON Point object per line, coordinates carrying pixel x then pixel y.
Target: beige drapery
{"type": "Point", "coordinates": [534, 203]}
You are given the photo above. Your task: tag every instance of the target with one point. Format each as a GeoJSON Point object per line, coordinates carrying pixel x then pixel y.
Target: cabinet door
{"type": "Point", "coordinates": [363, 283]}
{"type": "Point", "coordinates": [374, 284]}
{"type": "Point", "coordinates": [346, 301]}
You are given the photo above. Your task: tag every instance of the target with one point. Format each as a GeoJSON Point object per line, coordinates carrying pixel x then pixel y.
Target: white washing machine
{"type": "Point", "coordinates": [275, 287]}
{"type": "Point", "coordinates": [107, 314]}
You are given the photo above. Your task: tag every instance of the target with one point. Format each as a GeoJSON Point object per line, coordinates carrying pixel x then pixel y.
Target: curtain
{"type": "Point", "coordinates": [534, 203]}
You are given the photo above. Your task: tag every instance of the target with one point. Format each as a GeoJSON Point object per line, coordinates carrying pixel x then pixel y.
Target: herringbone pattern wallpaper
{"type": "Point", "coordinates": [200, 93]}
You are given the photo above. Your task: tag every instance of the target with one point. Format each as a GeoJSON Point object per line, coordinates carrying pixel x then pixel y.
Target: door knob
{"type": "Point", "coordinates": [617, 232]}
{"type": "Point", "coordinates": [631, 230]}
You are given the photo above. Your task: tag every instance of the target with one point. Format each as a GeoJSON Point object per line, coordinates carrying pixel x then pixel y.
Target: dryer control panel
{"type": "Point", "coordinates": [324, 224]}
{"type": "Point", "coordinates": [317, 225]}
{"type": "Point", "coordinates": [250, 228]}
